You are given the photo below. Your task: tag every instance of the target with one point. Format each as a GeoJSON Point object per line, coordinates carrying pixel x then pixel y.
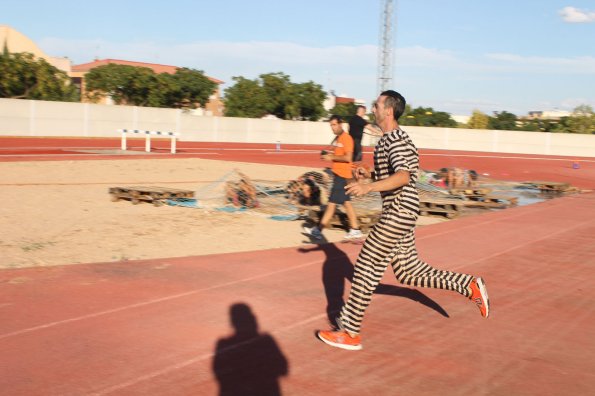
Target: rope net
{"type": "Point", "coordinates": [236, 191]}
{"type": "Point", "coordinates": [288, 200]}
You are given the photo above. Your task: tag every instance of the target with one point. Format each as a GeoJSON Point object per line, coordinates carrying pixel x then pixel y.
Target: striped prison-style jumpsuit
{"type": "Point", "coordinates": [392, 239]}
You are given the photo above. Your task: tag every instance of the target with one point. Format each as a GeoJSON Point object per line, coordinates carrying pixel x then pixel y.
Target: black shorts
{"type": "Point", "coordinates": [357, 150]}
{"type": "Point", "coordinates": [338, 194]}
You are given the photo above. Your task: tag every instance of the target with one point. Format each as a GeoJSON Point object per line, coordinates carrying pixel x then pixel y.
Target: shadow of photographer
{"type": "Point", "coordinates": [248, 362]}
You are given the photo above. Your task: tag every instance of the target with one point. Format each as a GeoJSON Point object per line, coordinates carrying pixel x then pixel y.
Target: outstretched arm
{"type": "Point", "coordinates": [374, 129]}
{"type": "Point", "coordinates": [394, 181]}
{"type": "Point", "coordinates": [338, 158]}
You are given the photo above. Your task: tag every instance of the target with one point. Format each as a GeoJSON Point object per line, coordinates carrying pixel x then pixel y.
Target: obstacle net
{"type": "Point", "coordinates": [235, 191]}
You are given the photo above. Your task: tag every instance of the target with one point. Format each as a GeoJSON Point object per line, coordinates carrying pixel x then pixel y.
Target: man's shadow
{"type": "Point", "coordinates": [248, 362]}
{"type": "Point", "coordinates": [338, 268]}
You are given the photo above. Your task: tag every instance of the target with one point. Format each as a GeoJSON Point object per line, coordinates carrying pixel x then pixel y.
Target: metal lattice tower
{"type": "Point", "coordinates": [385, 46]}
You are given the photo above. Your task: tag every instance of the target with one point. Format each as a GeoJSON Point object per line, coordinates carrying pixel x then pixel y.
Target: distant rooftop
{"type": "Point", "coordinates": [157, 68]}
{"type": "Point", "coordinates": [549, 114]}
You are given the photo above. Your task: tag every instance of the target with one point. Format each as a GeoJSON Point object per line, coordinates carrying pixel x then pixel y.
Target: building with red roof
{"type": "Point", "coordinates": [213, 107]}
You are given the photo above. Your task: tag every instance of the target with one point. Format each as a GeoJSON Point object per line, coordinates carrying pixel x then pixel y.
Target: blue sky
{"type": "Point", "coordinates": [454, 56]}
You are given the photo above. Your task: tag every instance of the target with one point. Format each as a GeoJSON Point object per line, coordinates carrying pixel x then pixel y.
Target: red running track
{"type": "Point", "coordinates": [163, 327]}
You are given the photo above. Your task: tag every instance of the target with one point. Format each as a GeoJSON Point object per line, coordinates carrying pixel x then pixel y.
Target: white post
{"type": "Point", "coordinates": [123, 139]}
{"type": "Point", "coordinates": [446, 137]}
{"type": "Point", "coordinates": [134, 117]}
{"type": "Point", "coordinates": [178, 120]}
{"type": "Point", "coordinates": [216, 128]}
{"type": "Point", "coordinates": [278, 135]}
{"type": "Point", "coordinates": [86, 119]}
{"type": "Point", "coordinates": [32, 116]}
{"type": "Point", "coordinates": [173, 143]}
{"type": "Point", "coordinates": [249, 130]}
{"type": "Point", "coordinates": [147, 141]}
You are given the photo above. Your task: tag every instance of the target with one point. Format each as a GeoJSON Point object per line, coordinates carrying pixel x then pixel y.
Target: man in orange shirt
{"type": "Point", "coordinates": [341, 168]}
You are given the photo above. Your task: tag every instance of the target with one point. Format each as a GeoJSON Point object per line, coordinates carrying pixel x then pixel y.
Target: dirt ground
{"type": "Point", "coordinates": [59, 213]}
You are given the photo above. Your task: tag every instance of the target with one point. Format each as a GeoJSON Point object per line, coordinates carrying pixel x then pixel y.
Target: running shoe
{"type": "Point", "coordinates": [353, 234]}
{"type": "Point", "coordinates": [479, 295]}
{"type": "Point", "coordinates": [314, 232]}
{"type": "Point", "coordinates": [340, 339]}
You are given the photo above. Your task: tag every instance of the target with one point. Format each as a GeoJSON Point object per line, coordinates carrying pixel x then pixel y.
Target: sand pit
{"type": "Point", "coordinates": [60, 213]}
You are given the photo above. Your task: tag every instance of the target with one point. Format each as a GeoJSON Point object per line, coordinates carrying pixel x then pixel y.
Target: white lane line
{"type": "Point", "coordinates": [520, 245]}
{"type": "Point", "coordinates": [137, 153]}
{"type": "Point", "coordinates": [199, 358]}
{"type": "Point", "coordinates": [210, 356]}
{"type": "Point", "coordinates": [497, 219]}
{"type": "Point", "coordinates": [578, 159]}
{"type": "Point", "coordinates": [291, 152]}
{"type": "Point", "coordinates": [149, 302]}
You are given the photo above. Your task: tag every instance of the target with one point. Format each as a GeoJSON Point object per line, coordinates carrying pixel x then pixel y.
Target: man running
{"type": "Point", "coordinates": [392, 239]}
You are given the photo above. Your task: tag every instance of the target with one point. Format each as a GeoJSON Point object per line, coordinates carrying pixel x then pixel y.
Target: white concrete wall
{"type": "Point", "coordinates": [503, 141]}
{"type": "Point", "coordinates": [41, 118]}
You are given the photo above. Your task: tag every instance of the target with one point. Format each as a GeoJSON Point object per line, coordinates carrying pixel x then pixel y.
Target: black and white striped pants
{"type": "Point", "coordinates": [392, 240]}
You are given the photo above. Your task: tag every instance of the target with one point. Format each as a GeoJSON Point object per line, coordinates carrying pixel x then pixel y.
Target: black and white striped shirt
{"type": "Point", "coordinates": [395, 151]}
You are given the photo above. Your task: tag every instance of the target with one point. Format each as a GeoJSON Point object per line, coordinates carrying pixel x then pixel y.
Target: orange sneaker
{"type": "Point", "coordinates": [340, 339]}
{"type": "Point", "coordinates": [479, 295]}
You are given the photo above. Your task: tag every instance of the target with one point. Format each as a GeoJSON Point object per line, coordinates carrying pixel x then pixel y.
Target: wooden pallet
{"type": "Point", "coordinates": [483, 198]}
{"type": "Point", "coordinates": [470, 192]}
{"type": "Point", "coordinates": [431, 204]}
{"type": "Point", "coordinates": [492, 201]}
{"type": "Point", "coordinates": [366, 218]}
{"type": "Point", "coordinates": [155, 195]}
{"type": "Point", "coordinates": [549, 186]}
{"type": "Point", "coordinates": [439, 207]}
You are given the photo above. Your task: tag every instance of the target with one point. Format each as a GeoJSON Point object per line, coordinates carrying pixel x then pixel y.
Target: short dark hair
{"type": "Point", "coordinates": [337, 118]}
{"type": "Point", "coordinates": [396, 101]}
{"type": "Point", "coordinates": [360, 107]}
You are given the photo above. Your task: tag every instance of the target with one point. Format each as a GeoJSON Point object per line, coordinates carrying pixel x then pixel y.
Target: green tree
{"type": "Point", "coordinates": [426, 116]}
{"type": "Point", "coordinates": [24, 77]}
{"type": "Point", "coordinates": [406, 115]}
{"type": "Point", "coordinates": [503, 121]}
{"type": "Point", "coordinates": [164, 91]}
{"type": "Point", "coordinates": [246, 98]}
{"type": "Point", "coordinates": [140, 86]}
{"type": "Point", "coordinates": [188, 85]}
{"type": "Point", "coordinates": [539, 125]}
{"type": "Point", "coordinates": [344, 110]}
{"type": "Point", "coordinates": [277, 87]}
{"type": "Point", "coordinates": [443, 119]}
{"type": "Point", "coordinates": [310, 97]}
{"type": "Point", "coordinates": [561, 125]}
{"type": "Point", "coordinates": [124, 84]}
{"type": "Point", "coordinates": [582, 120]}
{"type": "Point", "coordinates": [478, 120]}
{"type": "Point", "coordinates": [274, 93]}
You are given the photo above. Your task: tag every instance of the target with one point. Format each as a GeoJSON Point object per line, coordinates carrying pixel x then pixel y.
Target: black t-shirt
{"type": "Point", "coordinates": [356, 127]}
